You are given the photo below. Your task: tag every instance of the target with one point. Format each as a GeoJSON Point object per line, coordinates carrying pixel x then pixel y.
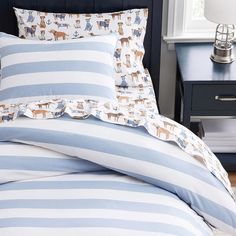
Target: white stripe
{"type": "Point", "coordinates": [106, 133]}
{"type": "Point", "coordinates": [101, 214]}
{"type": "Point", "coordinates": [94, 56]}
{"type": "Point", "coordinates": [19, 175]}
{"type": "Point", "coordinates": [77, 232]}
{"type": "Point", "coordinates": [108, 194]}
{"type": "Point", "coordinates": [47, 97]}
{"type": "Point", "coordinates": [106, 176]}
{"type": "Point", "coordinates": [56, 77]}
{"type": "Point", "coordinates": [109, 39]}
{"type": "Point", "coordinates": [29, 151]}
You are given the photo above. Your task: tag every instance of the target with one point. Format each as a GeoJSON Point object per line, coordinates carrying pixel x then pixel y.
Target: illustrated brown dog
{"type": "Point", "coordinates": [125, 41]}
{"type": "Point", "coordinates": [135, 75]}
{"type": "Point", "coordinates": [42, 22]}
{"type": "Point", "coordinates": [161, 131]}
{"type": "Point", "coordinates": [140, 101]}
{"type": "Point", "coordinates": [57, 34]}
{"type": "Point", "coordinates": [138, 55]}
{"type": "Point", "coordinates": [39, 112]}
{"type": "Point", "coordinates": [44, 105]}
{"type": "Point", "coordinates": [121, 98]}
{"type": "Point", "coordinates": [115, 116]}
{"type": "Point", "coordinates": [120, 28]}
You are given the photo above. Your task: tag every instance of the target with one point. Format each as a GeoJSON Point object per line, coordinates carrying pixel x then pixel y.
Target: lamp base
{"type": "Point", "coordinates": [223, 56]}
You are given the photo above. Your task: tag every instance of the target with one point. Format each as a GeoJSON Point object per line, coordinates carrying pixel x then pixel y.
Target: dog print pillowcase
{"type": "Point", "coordinates": [130, 26]}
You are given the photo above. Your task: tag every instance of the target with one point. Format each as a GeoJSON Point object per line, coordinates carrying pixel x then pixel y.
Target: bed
{"type": "Point", "coordinates": [104, 162]}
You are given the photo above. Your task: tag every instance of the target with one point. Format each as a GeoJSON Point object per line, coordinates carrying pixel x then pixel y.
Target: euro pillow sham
{"type": "Point", "coordinates": [76, 69]}
{"type": "Point", "coordinates": [130, 26]}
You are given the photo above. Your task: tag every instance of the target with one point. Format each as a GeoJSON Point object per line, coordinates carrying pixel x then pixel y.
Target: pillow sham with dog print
{"type": "Point", "coordinates": [76, 69]}
{"type": "Point", "coordinates": [130, 26]}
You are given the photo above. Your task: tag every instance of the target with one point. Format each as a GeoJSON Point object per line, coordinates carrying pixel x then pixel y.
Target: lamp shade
{"type": "Point", "coordinates": [221, 11]}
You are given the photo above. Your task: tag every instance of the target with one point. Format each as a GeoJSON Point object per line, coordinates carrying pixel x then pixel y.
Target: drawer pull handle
{"type": "Point", "coordinates": [225, 98]}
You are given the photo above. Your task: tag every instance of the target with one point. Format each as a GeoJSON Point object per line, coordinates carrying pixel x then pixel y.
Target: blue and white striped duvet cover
{"type": "Point", "coordinates": [170, 187]}
{"type": "Point", "coordinates": [48, 193]}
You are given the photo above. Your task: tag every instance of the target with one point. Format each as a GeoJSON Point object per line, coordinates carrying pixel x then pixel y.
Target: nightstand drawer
{"type": "Point", "coordinates": [214, 97]}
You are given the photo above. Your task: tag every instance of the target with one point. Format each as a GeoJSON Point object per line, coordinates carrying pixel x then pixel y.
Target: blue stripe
{"type": "Point", "coordinates": [113, 147]}
{"type": "Point", "coordinates": [86, 184]}
{"type": "Point", "coordinates": [47, 164]}
{"type": "Point", "coordinates": [51, 47]}
{"type": "Point", "coordinates": [194, 200]}
{"type": "Point", "coordinates": [98, 223]}
{"type": "Point", "coordinates": [94, 204]}
{"type": "Point", "coordinates": [57, 66]}
{"type": "Point", "coordinates": [57, 90]}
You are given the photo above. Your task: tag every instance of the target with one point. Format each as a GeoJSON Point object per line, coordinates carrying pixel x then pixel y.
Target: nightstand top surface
{"type": "Point", "coordinates": [196, 66]}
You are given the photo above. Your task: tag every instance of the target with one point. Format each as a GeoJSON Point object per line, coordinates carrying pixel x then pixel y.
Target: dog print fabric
{"type": "Point", "coordinates": [130, 26]}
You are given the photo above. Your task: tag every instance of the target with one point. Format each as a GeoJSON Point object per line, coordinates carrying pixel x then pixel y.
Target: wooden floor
{"type": "Point", "coordinates": [232, 177]}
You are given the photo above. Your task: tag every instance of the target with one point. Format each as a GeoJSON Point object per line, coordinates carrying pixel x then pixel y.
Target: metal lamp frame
{"type": "Point", "coordinates": [223, 45]}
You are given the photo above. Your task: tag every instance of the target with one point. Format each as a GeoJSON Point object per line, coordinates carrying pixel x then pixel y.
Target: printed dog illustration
{"type": "Point", "coordinates": [2, 106]}
{"type": "Point", "coordinates": [140, 100]}
{"type": "Point", "coordinates": [30, 30]}
{"type": "Point", "coordinates": [117, 54]}
{"type": "Point", "coordinates": [99, 15]}
{"type": "Point", "coordinates": [21, 21]}
{"type": "Point", "coordinates": [137, 20]}
{"type": "Point", "coordinates": [137, 32]}
{"type": "Point", "coordinates": [44, 105]}
{"type": "Point", "coordinates": [36, 113]}
{"type": "Point", "coordinates": [162, 131]}
{"type": "Point", "coordinates": [88, 26]}
{"type": "Point", "coordinates": [7, 117]}
{"type": "Point", "coordinates": [80, 105]}
{"type": "Point", "coordinates": [42, 22]}
{"type": "Point", "coordinates": [42, 35]}
{"type": "Point", "coordinates": [116, 14]}
{"type": "Point", "coordinates": [124, 84]}
{"type": "Point", "coordinates": [59, 16]}
{"type": "Point", "coordinates": [115, 116]}
{"type": "Point", "coordinates": [140, 88]}
{"type": "Point", "coordinates": [103, 24]}
{"type": "Point", "coordinates": [135, 75]}
{"type": "Point", "coordinates": [118, 68]}
{"type": "Point", "coordinates": [120, 28]}
{"type": "Point", "coordinates": [131, 122]}
{"type": "Point", "coordinates": [61, 25]}
{"type": "Point", "coordinates": [138, 55]}
{"type": "Point", "coordinates": [77, 24]}
{"type": "Point", "coordinates": [125, 41]}
{"type": "Point", "coordinates": [128, 61]}
{"type": "Point", "coordinates": [128, 21]}
{"type": "Point", "coordinates": [30, 17]}
{"type": "Point", "coordinates": [121, 98]}
{"type": "Point", "coordinates": [145, 12]}
{"type": "Point", "coordinates": [57, 34]}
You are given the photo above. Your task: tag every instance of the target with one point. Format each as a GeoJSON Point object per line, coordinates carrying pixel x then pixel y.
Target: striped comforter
{"type": "Point", "coordinates": [69, 177]}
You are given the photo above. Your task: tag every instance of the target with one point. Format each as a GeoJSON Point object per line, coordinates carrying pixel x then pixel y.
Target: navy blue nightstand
{"type": "Point", "coordinates": [205, 88]}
